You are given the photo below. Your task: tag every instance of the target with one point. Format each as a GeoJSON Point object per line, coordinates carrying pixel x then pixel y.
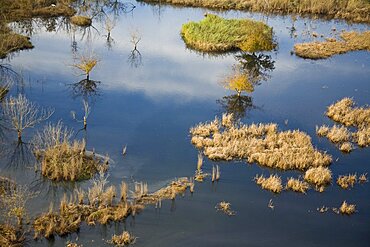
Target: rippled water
{"type": "Point", "coordinates": [150, 106]}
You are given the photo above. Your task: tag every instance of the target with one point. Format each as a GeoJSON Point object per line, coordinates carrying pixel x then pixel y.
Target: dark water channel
{"type": "Point", "coordinates": [149, 102]}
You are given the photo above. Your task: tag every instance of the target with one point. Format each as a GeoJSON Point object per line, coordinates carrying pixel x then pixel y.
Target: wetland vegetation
{"type": "Point", "coordinates": [57, 189]}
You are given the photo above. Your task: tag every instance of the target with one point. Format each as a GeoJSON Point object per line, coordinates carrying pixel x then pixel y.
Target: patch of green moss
{"type": "Point", "coordinates": [216, 34]}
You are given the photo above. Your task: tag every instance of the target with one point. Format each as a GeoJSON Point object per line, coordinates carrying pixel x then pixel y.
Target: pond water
{"type": "Point", "coordinates": [149, 103]}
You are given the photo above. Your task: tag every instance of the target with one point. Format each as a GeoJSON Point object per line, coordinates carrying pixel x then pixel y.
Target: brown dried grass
{"type": "Point", "coordinates": [352, 10]}
{"type": "Point", "coordinates": [297, 185]}
{"type": "Point", "coordinates": [320, 176]}
{"type": "Point", "coordinates": [352, 41]}
{"type": "Point", "coordinates": [70, 162]}
{"type": "Point", "coordinates": [260, 143]}
{"type": "Point", "coordinates": [346, 181]}
{"type": "Point", "coordinates": [347, 209]}
{"type": "Point", "coordinates": [124, 239]}
{"type": "Point", "coordinates": [225, 207]}
{"type": "Point", "coordinates": [272, 183]}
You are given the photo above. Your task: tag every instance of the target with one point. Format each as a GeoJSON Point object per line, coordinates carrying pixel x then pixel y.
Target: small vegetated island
{"type": "Point", "coordinates": [351, 41]}
{"type": "Point", "coordinates": [216, 34]}
{"type": "Point", "coordinates": [351, 10]}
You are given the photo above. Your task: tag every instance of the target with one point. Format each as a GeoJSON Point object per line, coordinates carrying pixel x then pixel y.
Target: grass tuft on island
{"type": "Point", "coordinates": [216, 34]}
{"type": "Point", "coordinates": [352, 41]}
{"type": "Point", "coordinates": [351, 10]}
{"type": "Point", "coordinates": [62, 159]}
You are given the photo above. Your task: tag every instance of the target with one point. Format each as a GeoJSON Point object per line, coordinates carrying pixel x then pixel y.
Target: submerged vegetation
{"type": "Point", "coordinates": [352, 10]}
{"type": "Point", "coordinates": [261, 143]}
{"type": "Point", "coordinates": [351, 41]}
{"type": "Point", "coordinates": [215, 34]}
{"type": "Point", "coordinates": [345, 112]}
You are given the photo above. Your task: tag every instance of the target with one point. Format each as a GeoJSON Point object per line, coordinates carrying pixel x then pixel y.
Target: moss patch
{"type": "Point", "coordinates": [215, 34]}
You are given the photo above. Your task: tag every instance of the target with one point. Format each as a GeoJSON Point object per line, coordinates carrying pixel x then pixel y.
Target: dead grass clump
{"type": "Point", "coordinates": [63, 160]}
{"type": "Point", "coordinates": [82, 21]}
{"type": "Point", "coordinates": [101, 205]}
{"type": "Point", "coordinates": [71, 244]}
{"type": "Point", "coordinates": [297, 185]}
{"type": "Point", "coordinates": [225, 207]}
{"type": "Point", "coordinates": [338, 134]}
{"type": "Point", "coordinates": [69, 162]}
{"type": "Point", "coordinates": [176, 187]}
{"type": "Point", "coordinates": [347, 209]}
{"type": "Point", "coordinates": [352, 41]}
{"type": "Point", "coordinates": [320, 176]}
{"type": "Point", "coordinates": [260, 143]}
{"type": "Point", "coordinates": [11, 236]}
{"type": "Point", "coordinates": [346, 181]}
{"type": "Point", "coordinates": [272, 183]}
{"type": "Point", "coordinates": [123, 239]}
{"type": "Point", "coordinates": [345, 112]}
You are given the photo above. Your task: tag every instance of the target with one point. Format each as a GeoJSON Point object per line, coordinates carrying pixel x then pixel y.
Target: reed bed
{"type": "Point", "coordinates": [346, 181]}
{"type": "Point", "coordinates": [319, 176]}
{"type": "Point", "coordinates": [347, 208]}
{"type": "Point", "coordinates": [272, 183]}
{"type": "Point", "coordinates": [260, 143]}
{"type": "Point", "coordinates": [351, 10]}
{"type": "Point", "coordinates": [101, 204]}
{"type": "Point", "coordinates": [62, 159]}
{"type": "Point", "coordinates": [124, 239]}
{"type": "Point", "coordinates": [11, 236]}
{"type": "Point", "coordinates": [346, 113]}
{"type": "Point", "coordinates": [215, 34]}
{"type": "Point", "coordinates": [362, 178]}
{"type": "Point", "coordinates": [351, 41]}
{"type": "Point", "coordinates": [297, 185]}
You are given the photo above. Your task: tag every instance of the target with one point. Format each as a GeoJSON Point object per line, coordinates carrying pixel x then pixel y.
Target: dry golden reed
{"type": "Point", "coordinates": [272, 183]}
{"type": "Point", "coordinates": [320, 176]}
{"type": "Point", "coordinates": [345, 112]}
{"type": "Point", "coordinates": [352, 41]}
{"type": "Point", "coordinates": [352, 10]}
{"type": "Point", "coordinates": [123, 239]}
{"type": "Point", "coordinates": [297, 185]}
{"type": "Point", "coordinates": [260, 143]}
{"type": "Point", "coordinates": [347, 209]}
{"type": "Point", "coordinates": [346, 181]}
